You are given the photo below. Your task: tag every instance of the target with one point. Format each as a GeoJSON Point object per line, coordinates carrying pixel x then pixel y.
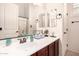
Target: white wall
{"type": "Point", "coordinates": [65, 30]}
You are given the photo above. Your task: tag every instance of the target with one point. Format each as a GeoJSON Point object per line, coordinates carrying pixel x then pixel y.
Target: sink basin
{"type": "Point", "coordinates": [38, 36]}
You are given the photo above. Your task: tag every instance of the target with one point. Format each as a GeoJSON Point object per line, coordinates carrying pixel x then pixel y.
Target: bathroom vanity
{"type": "Point", "coordinates": [47, 46]}
{"type": "Point", "coordinates": [50, 50]}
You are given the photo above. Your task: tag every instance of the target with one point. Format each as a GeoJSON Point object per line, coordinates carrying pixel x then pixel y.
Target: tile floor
{"type": "Point", "coordinates": [71, 53]}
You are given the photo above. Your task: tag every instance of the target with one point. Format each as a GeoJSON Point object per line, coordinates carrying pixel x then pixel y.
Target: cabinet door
{"type": "Point", "coordinates": [43, 52]}
{"type": "Point", "coordinates": [57, 48]}
{"type": "Point", "coordinates": [52, 49]}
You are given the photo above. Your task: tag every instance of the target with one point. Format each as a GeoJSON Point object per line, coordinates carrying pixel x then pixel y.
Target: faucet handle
{"type": "Point", "coordinates": [24, 39]}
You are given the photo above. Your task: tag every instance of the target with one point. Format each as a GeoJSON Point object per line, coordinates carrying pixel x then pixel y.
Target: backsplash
{"type": "Point", "coordinates": [9, 41]}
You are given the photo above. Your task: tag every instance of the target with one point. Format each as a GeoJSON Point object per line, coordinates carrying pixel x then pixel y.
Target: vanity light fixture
{"type": "Point", "coordinates": [59, 16]}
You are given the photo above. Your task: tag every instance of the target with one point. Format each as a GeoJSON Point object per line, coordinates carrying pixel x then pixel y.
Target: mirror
{"type": "Point", "coordinates": [15, 21]}
{"type": "Point", "coordinates": [48, 17]}
{"type": "Point", "coordinates": [49, 21]}
{"type": "Point", "coordinates": [22, 17]}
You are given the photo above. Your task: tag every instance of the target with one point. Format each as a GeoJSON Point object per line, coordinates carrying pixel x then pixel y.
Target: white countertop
{"type": "Point", "coordinates": [26, 49]}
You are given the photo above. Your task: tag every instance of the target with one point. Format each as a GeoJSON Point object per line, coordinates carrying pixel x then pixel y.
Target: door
{"type": "Point", "coordinates": [74, 29]}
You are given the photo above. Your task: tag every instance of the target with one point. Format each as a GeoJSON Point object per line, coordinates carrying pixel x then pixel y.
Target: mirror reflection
{"type": "Point", "coordinates": [20, 19]}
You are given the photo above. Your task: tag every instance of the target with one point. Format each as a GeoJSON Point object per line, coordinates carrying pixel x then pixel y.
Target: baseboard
{"type": "Point", "coordinates": [73, 51]}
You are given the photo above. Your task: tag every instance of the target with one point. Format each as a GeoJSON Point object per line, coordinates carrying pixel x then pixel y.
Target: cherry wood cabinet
{"type": "Point", "coordinates": [50, 50]}
{"type": "Point", "coordinates": [43, 52]}
{"type": "Point", "coordinates": [56, 45]}
{"type": "Point", "coordinates": [54, 48]}
{"type": "Point", "coordinates": [35, 54]}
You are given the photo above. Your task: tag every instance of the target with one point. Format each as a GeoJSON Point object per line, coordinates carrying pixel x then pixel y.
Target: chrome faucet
{"type": "Point", "coordinates": [23, 40]}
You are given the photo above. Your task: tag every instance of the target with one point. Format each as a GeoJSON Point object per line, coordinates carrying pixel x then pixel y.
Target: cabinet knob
{"type": "Point", "coordinates": [0, 28]}
{"type": "Point", "coordinates": [65, 32]}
